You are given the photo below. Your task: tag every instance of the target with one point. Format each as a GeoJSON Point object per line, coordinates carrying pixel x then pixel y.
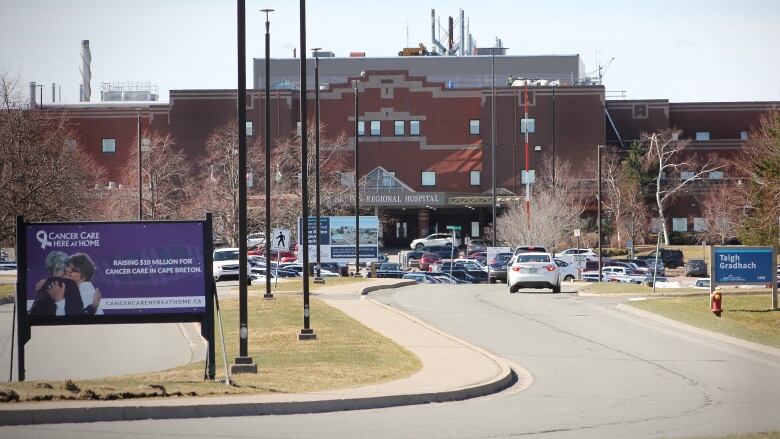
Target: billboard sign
{"type": "Point", "coordinates": [115, 269]}
{"type": "Point", "coordinates": [743, 265]}
{"type": "Point", "coordinates": [337, 238]}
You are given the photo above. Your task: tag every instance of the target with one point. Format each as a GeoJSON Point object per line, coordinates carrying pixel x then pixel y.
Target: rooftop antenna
{"type": "Point", "coordinates": [407, 33]}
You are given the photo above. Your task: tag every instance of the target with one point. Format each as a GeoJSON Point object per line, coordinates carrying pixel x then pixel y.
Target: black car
{"type": "Point", "coordinates": [498, 267]}
{"type": "Point", "coordinates": [464, 275]}
{"type": "Point", "coordinates": [671, 258]}
{"type": "Point", "coordinates": [696, 268]}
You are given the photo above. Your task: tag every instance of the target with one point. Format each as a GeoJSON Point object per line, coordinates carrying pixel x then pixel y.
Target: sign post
{"type": "Point", "coordinates": [452, 249]}
{"type": "Point", "coordinates": [114, 272]}
{"type": "Point", "coordinates": [744, 266]}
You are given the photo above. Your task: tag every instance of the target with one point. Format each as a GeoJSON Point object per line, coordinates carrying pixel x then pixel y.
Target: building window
{"type": "Point", "coordinates": [347, 179]}
{"type": "Point", "coordinates": [676, 136]}
{"type": "Point", "coordinates": [375, 128]}
{"type": "Point", "coordinates": [685, 175]}
{"type": "Point", "coordinates": [249, 132]}
{"type": "Point", "coordinates": [679, 224]}
{"type": "Point", "coordinates": [530, 177]}
{"type": "Point", "coordinates": [702, 135]}
{"type": "Point", "coordinates": [298, 129]}
{"type": "Point", "coordinates": [655, 225]}
{"type": "Point", "coordinates": [428, 178]}
{"type": "Point", "coordinates": [399, 128]}
{"type": "Point", "coordinates": [414, 127]}
{"type": "Point", "coordinates": [700, 225]}
{"type": "Point", "coordinates": [529, 124]}
{"type": "Point", "coordinates": [474, 178]}
{"type": "Point", "coordinates": [716, 175]}
{"type": "Point", "coordinates": [361, 128]}
{"type": "Point", "coordinates": [109, 145]}
{"type": "Point", "coordinates": [743, 135]}
{"type": "Point", "coordinates": [400, 230]}
{"type": "Point", "coordinates": [474, 127]}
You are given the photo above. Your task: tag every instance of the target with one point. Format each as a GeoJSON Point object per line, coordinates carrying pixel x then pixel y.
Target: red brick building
{"type": "Point", "coordinates": [435, 140]}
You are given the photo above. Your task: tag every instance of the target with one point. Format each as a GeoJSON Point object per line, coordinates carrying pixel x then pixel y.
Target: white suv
{"type": "Point", "coordinates": [435, 239]}
{"type": "Point", "coordinates": [225, 263]}
{"type": "Point", "coordinates": [533, 270]}
{"type": "Point", "coordinates": [569, 254]}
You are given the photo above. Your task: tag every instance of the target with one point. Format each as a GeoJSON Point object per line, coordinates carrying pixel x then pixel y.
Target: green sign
{"type": "Point", "coordinates": [453, 227]}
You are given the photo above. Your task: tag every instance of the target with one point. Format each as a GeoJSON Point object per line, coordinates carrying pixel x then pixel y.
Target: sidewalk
{"type": "Point", "coordinates": [452, 370]}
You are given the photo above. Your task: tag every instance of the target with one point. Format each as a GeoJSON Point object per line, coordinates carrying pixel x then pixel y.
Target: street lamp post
{"type": "Point", "coordinates": [307, 333]}
{"type": "Point", "coordinates": [140, 181]}
{"type": "Point", "coordinates": [267, 140]}
{"type": "Point", "coordinates": [317, 277]}
{"type": "Point", "coordinates": [357, 186]}
{"type": "Point", "coordinates": [243, 363]}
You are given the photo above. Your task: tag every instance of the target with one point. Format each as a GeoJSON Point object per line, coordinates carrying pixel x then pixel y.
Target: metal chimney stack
{"type": "Point", "coordinates": [86, 73]}
{"type": "Point", "coordinates": [33, 100]}
{"type": "Point", "coordinates": [462, 47]}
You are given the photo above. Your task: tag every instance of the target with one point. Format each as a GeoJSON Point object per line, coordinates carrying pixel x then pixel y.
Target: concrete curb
{"type": "Point", "coordinates": [13, 414]}
{"type": "Point", "coordinates": [764, 349]}
{"type": "Point", "coordinates": [365, 290]}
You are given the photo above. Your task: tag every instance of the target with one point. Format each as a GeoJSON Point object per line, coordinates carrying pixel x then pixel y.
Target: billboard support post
{"type": "Point", "coordinates": [22, 320]}
{"type": "Point", "coordinates": [207, 325]}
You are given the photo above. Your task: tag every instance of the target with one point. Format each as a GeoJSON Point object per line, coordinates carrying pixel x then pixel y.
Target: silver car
{"type": "Point", "coordinates": [533, 270]}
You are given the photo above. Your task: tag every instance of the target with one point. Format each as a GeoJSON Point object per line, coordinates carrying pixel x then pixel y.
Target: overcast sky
{"type": "Point", "coordinates": [682, 50]}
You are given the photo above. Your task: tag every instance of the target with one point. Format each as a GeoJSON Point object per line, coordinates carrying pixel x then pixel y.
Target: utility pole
{"type": "Point", "coordinates": [267, 140]}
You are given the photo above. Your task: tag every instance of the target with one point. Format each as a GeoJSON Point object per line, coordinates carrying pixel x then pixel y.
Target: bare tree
{"type": "Point", "coordinates": [164, 172]}
{"type": "Point", "coordinates": [44, 174]}
{"type": "Point", "coordinates": [670, 156]}
{"type": "Point", "coordinates": [612, 175]}
{"type": "Point", "coordinates": [556, 210]}
{"type": "Point", "coordinates": [723, 213]}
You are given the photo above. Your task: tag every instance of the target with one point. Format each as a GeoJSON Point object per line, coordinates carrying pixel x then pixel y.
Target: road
{"type": "Point", "coordinates": [98, 351]}
{"type": "Point", "coordinates": [598, 372]}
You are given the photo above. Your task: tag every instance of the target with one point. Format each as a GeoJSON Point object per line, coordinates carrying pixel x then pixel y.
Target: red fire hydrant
{"type": "Point", "coordinates": [715, 303]}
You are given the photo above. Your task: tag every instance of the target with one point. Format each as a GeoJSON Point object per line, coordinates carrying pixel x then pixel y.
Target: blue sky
{"type": "Point", "coordinates": [682, 50]}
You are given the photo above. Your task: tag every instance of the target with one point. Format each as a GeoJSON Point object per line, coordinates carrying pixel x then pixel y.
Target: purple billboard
{"type": "Point", "coordinates": [115, 269]}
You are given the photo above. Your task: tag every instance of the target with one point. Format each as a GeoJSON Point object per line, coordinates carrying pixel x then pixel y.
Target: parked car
{"type": "Point", "coordinates": [478, 256]}
{"type": "Point", "coordinates": [421, 278]}
{"type": "Point", "coordinates": [476, 245]}
{"type": "Point", "coordinates": [702, 283]}
{"type": "Point", "coordinates": [568, 272]}
{"type": "Point", "coordinates": [472, 277]}
{"type": "Point", "coordinates": [695, 268]}
{"type": "Point", "coordinates": [530, 249]}
{"type": "Point", "coordinates": [658, 268]}
{"type": "Point", "coordinates": [427, 259]}
{"type": "Point", "coordinates": [629, 265]}
{"type": "Point", "coordinates": [390, 270]}
{"type": "Point", "coordinates": [445, 251]}
{"type": "Point", "coordinates": [533, 270]}
{"type": "Point", "coordinates": [253, 239]}
{"type": "Point", "coordinates": [497, 271]}
{"type": "Point", "coordinates": [413, 258]}
{"type": "Point", "coordinates": [569, 254]}
{"type": "Point", "coordinates": [447, 279]}
{"type": "Point", "coordinates": [225, 264]}
{"type": "Point", "coordinates": [435, 239]}
{"type": "Point", "coordinates": [672, 258]}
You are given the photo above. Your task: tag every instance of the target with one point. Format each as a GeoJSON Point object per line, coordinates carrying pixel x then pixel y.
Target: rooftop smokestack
{"type": "Point", "coordinates": [86, 73]}
{"type": "Point", "coordinates": [33, 100]}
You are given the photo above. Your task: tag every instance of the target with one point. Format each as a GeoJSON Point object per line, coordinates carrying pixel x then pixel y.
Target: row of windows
{"type": "Point", "coordinates": [680, 225]}
{"type": "Point", "coordinates": [399, 128]}
{"type": "Point", "coordinates": [525, 124]}
{"type": "Point", "coordinates": [685, 175]}
{"type": "Point", "coordinates": [429, 178]}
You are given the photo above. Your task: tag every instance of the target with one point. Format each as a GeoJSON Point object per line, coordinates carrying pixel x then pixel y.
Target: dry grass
{"type": "Point", "coordinates": [345, 354]}
{"type": "Point", "coordinates": [747, 317]}
{"type": "Point", "coordinates": [296, 284]}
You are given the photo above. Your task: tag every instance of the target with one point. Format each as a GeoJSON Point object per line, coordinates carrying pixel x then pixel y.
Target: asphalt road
{"type": "Point", "coordinates": [598, 373]}
{"type": "Point", "coordinates": [98, 351]}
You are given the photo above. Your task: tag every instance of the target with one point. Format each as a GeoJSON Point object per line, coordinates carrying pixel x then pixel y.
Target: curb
{"type": "Point", "coordinates": [365, 290]}
{"type": "Point", "coordinates": [716, 336]}
{"type": "Point", "coordinates": [194, 408]}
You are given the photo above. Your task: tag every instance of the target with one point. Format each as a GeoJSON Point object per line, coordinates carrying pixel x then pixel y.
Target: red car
{"type": "Point", "coordinates": [427, 259]}
{"type": "Point", "coordinates": [281, 256]}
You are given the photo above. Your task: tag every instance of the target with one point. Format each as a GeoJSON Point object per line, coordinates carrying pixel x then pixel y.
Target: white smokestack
{"type": "Point", "coordinates": [86, 72]}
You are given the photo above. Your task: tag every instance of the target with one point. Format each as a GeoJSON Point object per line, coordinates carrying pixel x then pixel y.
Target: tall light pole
{"type": "Point", "coordinates": [267, 140]}
{"type": "Point", "coordinates": [243, 363]}
{"type": "Point", "coordinates": [357, 185]}
{"type": "Point", "coordinates": [316, 50]}
{"type": "Point", "coordinates": [553, 137]}
{"type": "Point", "coordinates": [493, 134]}
{"type": "Point", "coordinates": [527, 174]}
{"type": "Point", "coordinates": [140, 180]}
{"type": "Point", "coordinates": [307, 333]}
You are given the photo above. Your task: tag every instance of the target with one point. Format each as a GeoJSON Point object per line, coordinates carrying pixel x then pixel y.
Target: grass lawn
{"type": "Point", "coordinates": [746, 317]}
{"type": "Point", "coordinates": [7, 291]}
{"type": "Point", "coordinates": [296, 284]}
{"type": "Point", "coordinates": [610, 288]}
{"type": "Point", "coordinates": [345, 354]}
